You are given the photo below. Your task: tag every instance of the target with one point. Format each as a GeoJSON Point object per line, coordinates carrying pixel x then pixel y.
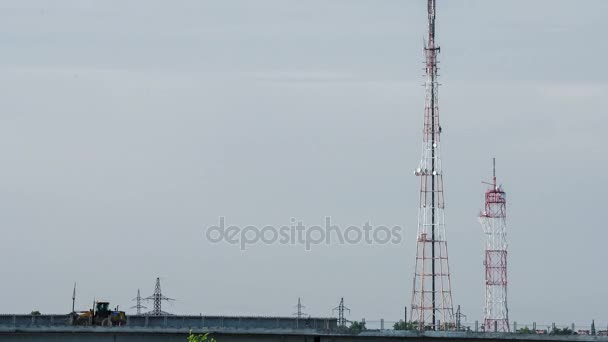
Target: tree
{"type": "Point", "coordinates": [356, 327]}
{"type": "Point", "coordinates": [526, 330]}
{"type": "Point", "coordinates": [35, 313]}
{"type": "Point", "coordinates": [401, 325]}
{"type": "Point", "coordinates": [200, 338]}
{"type": "Point", "coordinates": [564, 331]}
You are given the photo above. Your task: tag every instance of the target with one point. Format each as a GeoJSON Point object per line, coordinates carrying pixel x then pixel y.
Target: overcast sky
{"type": "Point", "coordinates": [128, 127]}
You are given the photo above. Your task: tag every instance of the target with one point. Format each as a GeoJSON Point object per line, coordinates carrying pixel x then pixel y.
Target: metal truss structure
{"type": "Point", "coordinates": [138, 306]}
{"type": "Point", "coordinates": [157, 299]}
{"type": "Point", "coordinates": [432, 295]}
{"type": "Point", "coordinates": [493, 219]}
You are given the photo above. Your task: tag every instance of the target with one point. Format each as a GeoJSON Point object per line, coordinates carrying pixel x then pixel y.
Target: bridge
{"type": "Point", "coordinates": [174, 328]}
{"type": "Point", "coordinates": [181, 321]}
{"type": "Point", "coordinates": [159, 334]}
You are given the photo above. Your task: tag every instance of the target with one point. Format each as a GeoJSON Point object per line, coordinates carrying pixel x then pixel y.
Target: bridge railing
{"type": "Point", "coordinates": [181, 321]}
{"type": "Point", "coordinates": [515, 327]}
{"type": "Point", "coordinates": [320, 324]}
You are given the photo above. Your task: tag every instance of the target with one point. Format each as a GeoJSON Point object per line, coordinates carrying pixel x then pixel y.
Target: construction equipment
{"type": "Point", "coordinates": [100, 315]}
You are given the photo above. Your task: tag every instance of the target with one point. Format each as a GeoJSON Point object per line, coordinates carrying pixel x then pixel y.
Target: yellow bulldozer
{"type": "Point", "coordinates": [100, 315]}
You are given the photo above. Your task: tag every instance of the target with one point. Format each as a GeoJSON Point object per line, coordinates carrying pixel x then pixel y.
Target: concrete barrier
{"type": "Point", "coordinates": [153, 334]}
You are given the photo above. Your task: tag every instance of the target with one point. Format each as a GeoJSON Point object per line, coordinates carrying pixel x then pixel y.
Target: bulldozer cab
{"type": "Point", "coordinates": [102, 307]}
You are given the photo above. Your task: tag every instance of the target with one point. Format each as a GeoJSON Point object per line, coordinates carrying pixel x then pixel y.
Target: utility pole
{"type": "Point", "coordinates": [74, 298]}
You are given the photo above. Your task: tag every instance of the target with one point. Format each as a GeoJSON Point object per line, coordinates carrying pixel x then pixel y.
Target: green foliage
{"type": "Point", "coordinates": [564, 331]}
{"type": "Point", "coordinates": [401, 325]}
{"type": "Point", "coordinates": [447, 326]}
{"type": "Point", "coordinates": [200, 338]}
{"type": "Point", "coordinates": [356, 327]}
{"type": "Point", "coordinates": [526, 330]}
{"type": "Point", "coordinates": [35, 313]}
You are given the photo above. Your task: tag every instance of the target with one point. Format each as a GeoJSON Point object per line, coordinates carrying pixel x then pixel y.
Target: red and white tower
{"type": "Point", "coordinates": [494, 221]}
{"type": "Point", "coordinates": [432, 295]}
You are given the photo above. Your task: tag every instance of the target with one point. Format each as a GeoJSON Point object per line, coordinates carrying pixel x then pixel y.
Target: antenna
{"type": "Point", "coordinates": [157, 297]}
{"type": "Point", "coordinates": [432, 292]}
{"type": "Point", "coordinates": [341, 308]}
{"type": "Point", "coordinates": [494, 171]}
{"type": "Point", "coordinates": [138, 304]}
{"type": "Point", "coordinates": [493, 219]}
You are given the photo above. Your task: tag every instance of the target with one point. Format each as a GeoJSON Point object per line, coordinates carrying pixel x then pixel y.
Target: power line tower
{"type": "Point", "coordinates": [157, 298]}
{"type": "Point", "coordinates": [138, 304]}
{"type": "Point", "coordinates": [494, 222]}
{"type": "Point", "coordinates": [341, 309]}
{"type": "Point", "coordinates": [300, 314]}
{"type": "Point", "coordinates": [432, 293]}
{"type": "Point", "coordinates": [459, 317]}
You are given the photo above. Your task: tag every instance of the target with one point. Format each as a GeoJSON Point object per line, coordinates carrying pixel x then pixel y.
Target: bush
{"type": "Point", "coordinates": [401, 325]}
{"type": "Point", "coordinates": [200, 338]}
{"type": "Point", "coordinates": [526, 330]}
{"type": "Point", "coordinates": [564, 331]}
{"type": "Point", "coordinates": [357, 327]}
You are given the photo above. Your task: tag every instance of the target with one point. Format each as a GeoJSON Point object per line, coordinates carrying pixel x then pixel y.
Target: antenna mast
{"type": "Point", "coordinates": [494, 222]}
{"type": "Point", "coordinates": [432, 294]}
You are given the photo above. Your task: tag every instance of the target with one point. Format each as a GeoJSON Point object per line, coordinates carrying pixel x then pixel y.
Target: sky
{"type": "Point", "coordinates": [129, 127]}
